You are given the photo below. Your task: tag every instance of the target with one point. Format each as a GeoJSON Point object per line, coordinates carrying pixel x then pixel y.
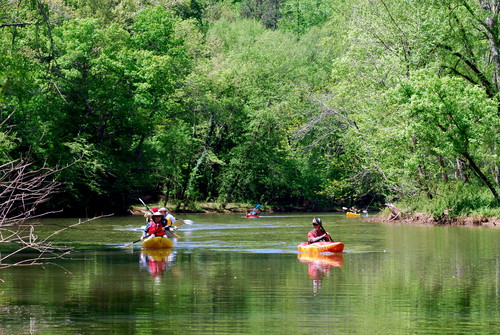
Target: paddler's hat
{"type": "Point", "coordinates": [163, 209]}
{"type": "Point", "coordinates": [157, 214]}
{"type": "Point", "coordinates": [316, 221]}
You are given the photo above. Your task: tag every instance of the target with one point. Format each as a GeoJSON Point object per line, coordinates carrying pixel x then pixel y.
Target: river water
{"type": "Point", "coordinates": [231, 275]}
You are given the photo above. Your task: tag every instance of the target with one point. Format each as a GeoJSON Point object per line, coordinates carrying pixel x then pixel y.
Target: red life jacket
{"type": "Point", "coordinates": [155, 228]}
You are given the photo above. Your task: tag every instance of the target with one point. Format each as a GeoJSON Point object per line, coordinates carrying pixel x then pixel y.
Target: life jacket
{"type": "Point", "coordinates": [166, 222]}
{"type": "Point", "coordinates": [155, 228]}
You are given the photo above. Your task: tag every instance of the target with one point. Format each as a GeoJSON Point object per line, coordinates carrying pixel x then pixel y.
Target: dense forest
{"type": "Point", "coordinates": [291, 103]}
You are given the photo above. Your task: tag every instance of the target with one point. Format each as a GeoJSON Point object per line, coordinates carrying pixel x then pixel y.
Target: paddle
{"type": "Point", "coordinates": [179, 223]}
{"type": "Point", "coordinates": [128, 245]}
{"type": "Point", "coordinates": [254, 211]}
{"type": "Point", "coordinates": [323, 229]}
{"type": "Point", "coordinates": [145, 205]}
{"type": "Point", "coordinates": [171, 232]}
{"type": "Point", "coordinates": [366, 209]}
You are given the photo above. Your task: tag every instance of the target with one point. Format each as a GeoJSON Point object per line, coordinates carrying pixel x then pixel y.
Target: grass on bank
{"type": "Point", "coordinates": [454, 201]}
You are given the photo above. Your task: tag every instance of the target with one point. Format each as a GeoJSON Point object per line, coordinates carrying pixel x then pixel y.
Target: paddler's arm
{"type": "Point", "coordinates": [316, 239]}
{"type": "Point", "coordinates": [145, 231]}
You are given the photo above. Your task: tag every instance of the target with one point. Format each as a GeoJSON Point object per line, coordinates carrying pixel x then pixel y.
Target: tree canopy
{"type": "Point", "coordinates": [293, 103]}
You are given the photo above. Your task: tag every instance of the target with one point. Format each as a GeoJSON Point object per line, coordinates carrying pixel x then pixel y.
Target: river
{"type": "Point", "coordinates": [231, 275]}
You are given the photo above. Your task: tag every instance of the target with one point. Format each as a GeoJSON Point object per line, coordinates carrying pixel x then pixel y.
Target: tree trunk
{"type": "Point", "coordinates": [395, 212]}
{"type": "Point", "coordinates": [481, 175]}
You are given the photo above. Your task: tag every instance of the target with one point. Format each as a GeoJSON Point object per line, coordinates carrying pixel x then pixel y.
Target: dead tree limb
{"type": "Point", "coordinates": [395, 212]}
{"type": "Point", "coordinates": [22, 189]}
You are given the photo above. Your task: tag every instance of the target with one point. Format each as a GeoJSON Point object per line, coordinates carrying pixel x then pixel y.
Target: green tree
{"type": "Point", "coordinates": [299, 16]}
{"type": "Point", "coordinates": [450, 117]}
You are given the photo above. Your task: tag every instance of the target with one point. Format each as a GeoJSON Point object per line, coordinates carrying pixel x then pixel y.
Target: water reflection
{"type": "Point", "coordinates": [157, 261]}
{"type": "Point", "coordinates": [231, 275]}
{"type": "Point", "coordinates": [319, 265]}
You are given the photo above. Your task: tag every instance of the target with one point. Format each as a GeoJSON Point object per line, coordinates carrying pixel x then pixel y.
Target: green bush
{"type": "Point", "coordinates": [458, 200]}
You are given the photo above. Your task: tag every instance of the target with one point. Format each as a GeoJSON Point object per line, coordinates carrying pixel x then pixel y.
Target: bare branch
{"type": "Point", "coordinates": [17, 24]}
{"type": "Point", "coordinates": [22, 190]}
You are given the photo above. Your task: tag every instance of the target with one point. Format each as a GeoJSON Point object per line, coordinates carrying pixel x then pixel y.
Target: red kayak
{"type": "Point", "coordinates": [321, 247]}
{"type": "Point", "coordinates": [252, 216]}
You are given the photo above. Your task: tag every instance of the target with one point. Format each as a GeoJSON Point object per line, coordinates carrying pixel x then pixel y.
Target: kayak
{"type": "Point", "coordinates": [352, 215]}
{"type": "Point", "coordinates": [327, 260]}
{"type": "Point", "coordinates": [321, 247]}
{"type": "Point", "coordinates": [157, 243]}
{"type": "Point", "coordinates": [252, 216]}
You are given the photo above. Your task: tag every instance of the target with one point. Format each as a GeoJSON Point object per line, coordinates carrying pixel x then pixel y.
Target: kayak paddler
{"type": "Point", "coordinates": [154, 227]}
{"type": "Point", "coordinates": [318, 234]}
{"type": "Point", "coordinates": [255, 211]}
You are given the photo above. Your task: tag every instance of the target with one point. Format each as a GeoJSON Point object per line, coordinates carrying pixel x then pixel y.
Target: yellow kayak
{"type": "Point", "coordinates": [157, 243]}
{"type": "Point", "coordinates": [352, 215]}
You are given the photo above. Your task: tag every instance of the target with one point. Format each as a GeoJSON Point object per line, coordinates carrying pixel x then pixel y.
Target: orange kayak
{"type": "Point", "coordinates": [321, 247]}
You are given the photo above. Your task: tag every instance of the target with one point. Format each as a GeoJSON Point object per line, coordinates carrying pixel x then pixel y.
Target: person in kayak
{"type": "Point", "coordinates": [168, 222]}
{"type": "Point", "coordinates": [168, 219]}
{"type": "Point", "coordinates": [318, 234]}
{"type": "Point", "coordinates": [148, 215]}
{"type": "Point", "coordinates": [256, 211]}
{"type": "Point", "coordinates": [154, 227]}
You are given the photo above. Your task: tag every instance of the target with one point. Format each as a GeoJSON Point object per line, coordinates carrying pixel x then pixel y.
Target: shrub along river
{"type": "Point", "coordinates": [231, 275]}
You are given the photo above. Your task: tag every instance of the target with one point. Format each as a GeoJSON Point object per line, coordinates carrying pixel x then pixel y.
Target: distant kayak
{"type": "Point", "coordinates": [157, 243]}
{"type": "Point", "coordinates": [352, 215]}
{"type": "Point", "coordinates": [252, 216]}
{"type": "Point", "coordinates": [321, 247]}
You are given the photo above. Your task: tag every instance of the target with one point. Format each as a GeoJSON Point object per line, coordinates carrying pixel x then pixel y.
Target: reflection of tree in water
{"type": "Point", "coordinates": [319, 265]}
{"type": "Point", "coordinates": [157, 261]}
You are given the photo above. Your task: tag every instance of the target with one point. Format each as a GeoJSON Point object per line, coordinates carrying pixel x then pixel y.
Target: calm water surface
{"type": "Point", "coordinates": [232, 275]}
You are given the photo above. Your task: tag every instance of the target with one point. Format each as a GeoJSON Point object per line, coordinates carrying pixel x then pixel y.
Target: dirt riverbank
{"type": "Point", "coordinates": [424, 219]}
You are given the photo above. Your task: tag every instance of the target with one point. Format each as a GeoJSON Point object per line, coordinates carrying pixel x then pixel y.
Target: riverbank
{"type": "Point", "coordinates": [393, 215]}
{"type": "Point", "coordinates": [228, 208]}
{"type": "Point", "coordinates": [422, 219]}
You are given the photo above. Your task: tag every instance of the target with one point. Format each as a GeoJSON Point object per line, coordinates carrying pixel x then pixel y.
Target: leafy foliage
{"type": "Point", "coordinates": [295, 103]}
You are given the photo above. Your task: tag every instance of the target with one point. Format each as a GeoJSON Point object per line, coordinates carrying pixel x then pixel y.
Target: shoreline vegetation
{"type": "Point", "coordinates": [389, 214]}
